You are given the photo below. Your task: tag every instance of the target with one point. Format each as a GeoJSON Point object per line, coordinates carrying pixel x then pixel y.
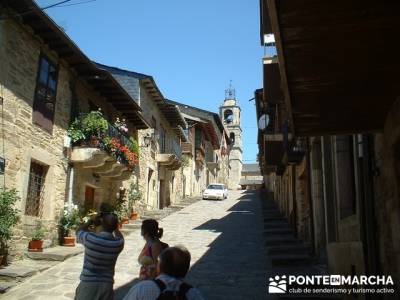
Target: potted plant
{"type": "Point", "coordinates": [67, 223]}
{"type": "Point", "coordinates": [8, 218]}
{"type": "Point", "coordinates": [134, 194]}
{"type": "Point", "coordinates": [89, 128]}
{"type": "Point", "coordinates": [36, 243]}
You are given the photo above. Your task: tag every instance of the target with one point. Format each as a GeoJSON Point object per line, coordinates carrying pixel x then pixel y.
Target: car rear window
{"type": "Point", "coordinates": [215, 187]}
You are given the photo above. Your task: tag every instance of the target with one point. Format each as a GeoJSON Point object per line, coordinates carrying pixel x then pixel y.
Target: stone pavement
{"type": "Point", "coordinates": [224, 237]}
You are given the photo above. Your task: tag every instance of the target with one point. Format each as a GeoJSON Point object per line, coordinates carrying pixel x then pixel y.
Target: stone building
{"type": "Point", "coordinates": [45, 82]}
{"type": "Point", "coordinates": [251, 178]}
{"type": "Point", "coordinates": [330, 153]}
{"type": "Point", "coordinates": [160, 174]}
{"type": "Point", "coordinates": [207, 150]}
{"type": "Point", "coordinates": [229, 112]}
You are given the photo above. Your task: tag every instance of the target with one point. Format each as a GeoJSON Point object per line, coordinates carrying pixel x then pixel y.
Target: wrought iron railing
{"type": "Point", "coordinates": [114, 132]}
{"type": "Point", "coordinates": [169, 145]}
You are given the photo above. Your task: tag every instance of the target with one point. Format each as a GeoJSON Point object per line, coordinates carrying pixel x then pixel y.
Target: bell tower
{"type": "Point", "coordinates": [229, 113]}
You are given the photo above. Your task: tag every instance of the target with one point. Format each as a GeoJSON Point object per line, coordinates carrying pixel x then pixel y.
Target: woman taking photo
{"type": "Point", "coordinates": [153, 247]}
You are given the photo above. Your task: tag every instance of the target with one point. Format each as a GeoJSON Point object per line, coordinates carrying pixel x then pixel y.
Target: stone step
{"type": "Point", "coordinates": [126, 231]}
{"type": "Point", "coordinates": [281, 240]}
{"type": "Point", "coordinates": [290, 259]}
{"type": "Point", "coordinates": [289, 249]}
{"type": "Point", "coordinates": [278, 230]}
{"type": "Point", "coordinates": [274, 218]}
{"type": "Point", "coordinates": [276, 224]}
{"type": "Point", "coordinates": [5, 286]}
{"type": "Point", "coordinates": [15, 271]}
{"type": "Point", "coordinates": [271, 212]}
{"type": "Point", "coordinates": [132, 226]}
{"type": "Point", "coordinates": [24, 268]}
{"type": "Point", "coordinates": [58, 253]}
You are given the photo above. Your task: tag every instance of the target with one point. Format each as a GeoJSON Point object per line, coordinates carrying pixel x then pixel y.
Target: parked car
{"type": "Point", "coordinates": [215, 191]}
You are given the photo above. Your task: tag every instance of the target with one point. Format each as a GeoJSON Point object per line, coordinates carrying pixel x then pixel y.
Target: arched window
{"type": "Point", "coordinates": [228, 116]}
{"type": "Point", "coordinates": [232, 137]}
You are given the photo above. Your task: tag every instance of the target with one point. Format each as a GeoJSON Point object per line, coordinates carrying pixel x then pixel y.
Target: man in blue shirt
{"type": "Point", "coordinates": [102, 247]}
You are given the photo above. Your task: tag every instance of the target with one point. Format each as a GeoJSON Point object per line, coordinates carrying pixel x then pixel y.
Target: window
{"type": "Point", "coordinates": [162, 140]}
{"type": "Point", "coordinates": [228, 116]}
{"type": "Point", "coordinates": [198, 138]}
{"type": "Point", "coordinates": [34, 199]}
{"type": "Point", "coordinates": [232, 137]}
{"type": "Point", "coordinates": [215, 187]}
{"type": "Point", "coordinates": [45, 94]}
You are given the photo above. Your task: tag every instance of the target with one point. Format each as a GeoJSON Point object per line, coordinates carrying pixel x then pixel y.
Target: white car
{"type": "Point", "coordinates": [215, 191]}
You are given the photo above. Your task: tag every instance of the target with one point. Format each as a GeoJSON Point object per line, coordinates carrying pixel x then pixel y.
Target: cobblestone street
{"type": "Point", "coordinates": [224, 238]}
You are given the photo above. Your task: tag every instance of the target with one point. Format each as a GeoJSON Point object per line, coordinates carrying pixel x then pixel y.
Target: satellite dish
{"type": "Point", "coordinates": [263, 122]}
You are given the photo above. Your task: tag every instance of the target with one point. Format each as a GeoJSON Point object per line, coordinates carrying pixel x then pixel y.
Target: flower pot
{"type": "Point", "coordinates": [68, 241]}
{"type": "Point", "coordinates": [125, 221]}
{"type": "Point", "coordinates": [35, 246]}
{"type": "Point", "coordinates": [3, 260]}
{"type": "Point", "coordinates": [134, 216]}
{"type": "Point", "coordinates": [94, 141]}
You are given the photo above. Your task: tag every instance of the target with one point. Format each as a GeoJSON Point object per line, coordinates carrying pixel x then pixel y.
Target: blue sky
{"type": "Point", "coordinates": [192, 48]}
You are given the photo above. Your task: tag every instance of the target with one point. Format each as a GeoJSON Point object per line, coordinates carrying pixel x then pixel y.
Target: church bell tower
{"type": "Point", "coordinates": [229, 113]}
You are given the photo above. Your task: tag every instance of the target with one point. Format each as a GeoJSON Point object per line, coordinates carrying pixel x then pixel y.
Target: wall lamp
{"type": "Point", "coordinates": [147, 139]}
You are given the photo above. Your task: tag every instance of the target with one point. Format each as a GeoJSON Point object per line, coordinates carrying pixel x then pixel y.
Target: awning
{"type": "Point", "coordinates": [339, 62]}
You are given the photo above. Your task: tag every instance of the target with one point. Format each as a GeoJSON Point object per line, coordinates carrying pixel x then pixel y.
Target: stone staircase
{"type": "Point", "coordinates": [289, 255]}
{"type": "Point", "coordinates": [157, 214]}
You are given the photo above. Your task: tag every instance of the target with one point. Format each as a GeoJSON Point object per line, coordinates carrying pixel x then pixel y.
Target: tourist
{"type": "Point", "coordinates": [103, 243]}
{"type": "Point", "coordinates": [173, 265]}
{"type": "Point", "coordinates": [153, 247]}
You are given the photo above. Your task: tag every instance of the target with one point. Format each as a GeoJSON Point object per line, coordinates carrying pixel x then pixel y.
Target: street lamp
{"type": "Point", "coordinates": [147, 140]}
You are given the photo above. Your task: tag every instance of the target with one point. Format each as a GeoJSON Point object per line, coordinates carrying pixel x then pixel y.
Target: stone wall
{"type": "Point", "coordinates": [25, 141]}
{"type": "Point", "coordinates": [148, 165]}
{"type": "Point", "coordinates": [387, 193]}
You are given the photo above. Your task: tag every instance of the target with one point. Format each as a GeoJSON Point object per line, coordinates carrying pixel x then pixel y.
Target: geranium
{"type": "Point", "coordinates": [121, 125]}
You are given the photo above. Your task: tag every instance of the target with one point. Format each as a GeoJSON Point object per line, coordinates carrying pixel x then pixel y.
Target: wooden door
{"type": "Point", "coordinates": [89, 197]}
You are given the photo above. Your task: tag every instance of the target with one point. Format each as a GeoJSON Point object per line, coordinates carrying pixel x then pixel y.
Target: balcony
{"type": "Point", "coordinates": [170, 153]}
{"type": "Point", "coordinates": [187, 148]}
{"type": "Point", "coordinates": [200, 154]}
{"type": "Point", "coordinates": [295, 151]}
{"type": "Point", "coordinates": [107, 154]}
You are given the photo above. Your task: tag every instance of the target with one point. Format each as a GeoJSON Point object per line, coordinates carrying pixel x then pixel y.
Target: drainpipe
{"type": "Point", "coordinates": [70, 186]}
{"type": "Point", "coordinates": [73, 114]}
{"type": "Point", "coordinates": [309, 174]}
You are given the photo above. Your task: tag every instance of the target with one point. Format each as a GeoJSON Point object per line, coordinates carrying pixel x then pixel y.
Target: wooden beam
{"type": "Point", "coordinates": [279, 47]}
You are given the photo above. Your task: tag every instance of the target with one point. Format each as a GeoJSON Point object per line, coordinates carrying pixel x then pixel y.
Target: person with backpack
{"type": "Point", "coordinates": [151, 250]}
{"type": "Point", "coordinates": [173, 265]}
